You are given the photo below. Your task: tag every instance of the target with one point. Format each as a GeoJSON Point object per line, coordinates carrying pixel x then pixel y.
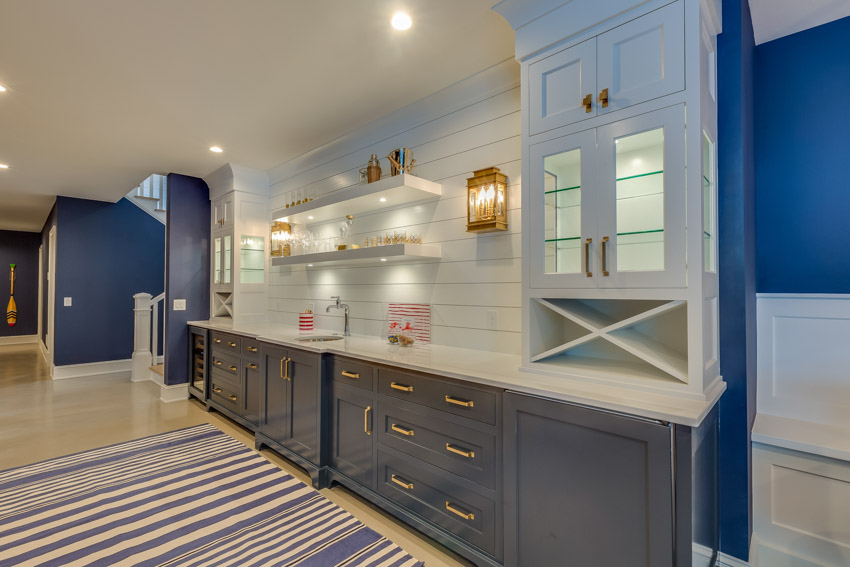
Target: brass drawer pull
{"type": "Point", "coordinates": [232, 397]}
{"type": "Point", "coordinates": [216, 390]}
{"type": "Point", "coordinates": [231, 344]}
{"type": "Point", "coordinates": [232, 368]}
{"type": "Point", "coordinates": [587, 244]}
{"type": "Point", "coordinates": [605, 272]}
{"type": "Point", "coordinates": [456, 512]}
{"type": "Point", "coordinates": [253, 349]}
{"type": "Point", "coordinates": [218, 363]}
{"type": "Point", "coordinates": [457, 402]}
{"type": "Point", "coordinates": [217, 341]}
{"type": "Point", "coordinates": [402, 430]}
{"type": "Point", "coordinates": [284, 368]}
{"type": "Point", "coordinates": [366, 420]}
{"type": "Point", "coordinates": [347, 374]}
{"type": "Point", "coordinates": [401, 483]}
{"type": "Point", "coordinates": [402, 387]}
{"type": "Point", "coordinates": [252, 366]}
{"type": "Point", "coordinates": [462, 452]}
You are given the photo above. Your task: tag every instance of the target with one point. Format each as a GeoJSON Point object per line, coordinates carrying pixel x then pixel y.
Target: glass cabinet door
{"type": "Point", "coordinates": [562, 211]}
{"type": "Point", "coordinates": [216, 256]}
{"type": "Point", "coordinates": [642, 201]}
{"type": "Point", "coordinates": [227, 259]}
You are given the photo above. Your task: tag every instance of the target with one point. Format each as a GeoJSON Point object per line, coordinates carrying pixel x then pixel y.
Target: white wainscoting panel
{"type": "Point", "coordinates": [451, 135]}
{"type": "Point", "coordinates": [804, 357]}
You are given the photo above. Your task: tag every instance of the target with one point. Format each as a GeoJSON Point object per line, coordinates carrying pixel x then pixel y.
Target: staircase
{"type": "Point", "coordinates": [151, 196]}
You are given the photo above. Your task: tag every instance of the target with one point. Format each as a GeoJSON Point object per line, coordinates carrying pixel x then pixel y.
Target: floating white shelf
{"type": "Point", "coordinates": [396, 190]}
{"type": "Point", "coordinates": [372, 255]}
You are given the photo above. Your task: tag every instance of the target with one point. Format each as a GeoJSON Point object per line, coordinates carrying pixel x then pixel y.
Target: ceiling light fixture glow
{"type": "Point", "coordinates": [3, 166]}
{"type": "Point", "coordinates": [383, 259]}
{"type": "Point", "coordinates": [216, 149]}
{"type": "Point", "coordinates": [383, 199]}
{"type": "Point", "coordinates": [2, 89]}
{"type": "Point", "coordinates": [401, 21]}
{"type": "Point", "coordinates": [309, 218]}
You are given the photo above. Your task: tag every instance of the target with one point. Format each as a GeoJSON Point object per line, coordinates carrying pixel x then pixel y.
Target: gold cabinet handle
{"type": "Point", "coordinates": [587, 244]}
{"type": "Point", "coordinates": [252, 366]}
{"type": "Point", "coordinates": [366, 420]}
{"type": "Point", "coordinates": [218, 362]}
{"type": "Point", "coordinates": [456, 512]}
{"type": "Point", "coordinates": [604, 268]}
{"type": "Point", "coordinates": [232, 397]}
{"type": "Point", "coordinates": [587, 101]}
{"type": "Point", "coordinates": [457, 402]}
{"type": "Point", "coordinates": [217, 341]}
{"type": "Point", "coordinates": [288, 375]}
{"type": "Point", "coordinates": [603, 98]}
{"type": "Point", "coordinates": [231, 344]}
{"type": "Point", "coordinates": [216, 390]}
{"type": "Point", "coordinates": [232, 368]}
{"type": "Point", "coordinates": [402, 387]}
{"type": "Point", "coordinates": [402, 483]}
{"type": "Point", "coordinates": [252, 349]}
{"type": "Point", "coordinates": [462, 452]}
{"type": "Point", "coordinates": [347, 374]}
{"type": "Point", "coordinates": [402, 430]}
{"type": "Point", "coordinates": [281, 369]}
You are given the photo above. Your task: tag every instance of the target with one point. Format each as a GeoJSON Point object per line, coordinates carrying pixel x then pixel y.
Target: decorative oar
{"type": "Point", "coordinates": [12, 310]}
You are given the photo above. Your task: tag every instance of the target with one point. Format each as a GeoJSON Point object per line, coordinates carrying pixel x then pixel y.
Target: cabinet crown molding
{"type": "Point", "coordinates": [233, 177]}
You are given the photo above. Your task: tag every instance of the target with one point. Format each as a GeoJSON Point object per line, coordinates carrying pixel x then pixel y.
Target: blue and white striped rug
{"type": "Point", "coordinates": [190, 497]}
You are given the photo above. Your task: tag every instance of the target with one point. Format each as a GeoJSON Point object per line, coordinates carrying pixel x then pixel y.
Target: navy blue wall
{"type": "Point", "coordinates": [187, 268]}
{"type": "Point", "coordinates": [737, 328]}
{"type": "Point", "coordinates": [106, 253]}
{"type": "Point", "coordinates": [21, 249]}
{"type": "Point", "coordinates": [45, 262]}
{"type": "Point", "coordinates": [802, 154]}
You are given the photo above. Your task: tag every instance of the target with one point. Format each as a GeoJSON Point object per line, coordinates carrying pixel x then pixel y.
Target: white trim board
{"type": "Point", "coordinates": [19, 340]}
{"type": "Point", "coordinates": [122, 367]}
{"type": "Point", "coordinates": [724, 560]}
{"type": "Point", "coordinates": [167, 393]}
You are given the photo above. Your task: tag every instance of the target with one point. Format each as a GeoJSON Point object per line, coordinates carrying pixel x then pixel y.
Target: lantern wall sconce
{"type": "Point", "coordinates": [487, 201]}
{"type": "Point", "coordinates": [281, 233]}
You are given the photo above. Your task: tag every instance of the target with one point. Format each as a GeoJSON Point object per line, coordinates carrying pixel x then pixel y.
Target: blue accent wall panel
{"type": "Point", "coordinates": [21, 249]}
{"type": "Point", "coordinates": [802, 155]}
{"type": "Point", "coordinates": [737, 271]}
{"type": "Point", "coordinates": [49, 223]}
{"type": "Point", "coordinates": [187, 268]}
{"type": "Point", "coordinates": [107, 252]}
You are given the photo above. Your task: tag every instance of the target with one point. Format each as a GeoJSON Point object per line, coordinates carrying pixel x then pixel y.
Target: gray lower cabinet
{"type": "Point", "coordinates": [234, 378]}
{"type": "Point", "coordinates": [585, 487]}
{"type": "Point", "coordinates": [352, 439]}
{"type": "Point", "coordinates": [290, 396]}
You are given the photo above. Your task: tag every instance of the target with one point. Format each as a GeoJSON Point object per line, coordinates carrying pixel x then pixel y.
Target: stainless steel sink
{"type": "Point", "coordinates": [319, 338]}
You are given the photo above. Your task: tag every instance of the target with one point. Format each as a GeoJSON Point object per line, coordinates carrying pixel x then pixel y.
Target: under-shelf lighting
{"type": "Point", "coordinates": [383, 199]}
{"type": "Point", "coordinates": [383, 259]}
{"type": "Point", "coordinates": [310, 218]}
{"type": "Point", "coordinates": [309, 265]}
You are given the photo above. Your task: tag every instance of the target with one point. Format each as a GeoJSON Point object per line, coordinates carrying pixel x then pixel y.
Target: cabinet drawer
{"type": "Point", "coordinates": [226, 364]}
{"type": "Point", "coordinates": [226, 343]}
{"type": "Point", "coordinates": [467, 515]}
{"type": "Point", "coordinates": [354, 373]}
{"type": "Point", "coordinates": [479, 405]}
{"type": "Point", "coordinates": [224, 394]}
{"type": "Point", "coordinates": [250, 348]}
{"type": "Point", "coordinates": [462, 451]}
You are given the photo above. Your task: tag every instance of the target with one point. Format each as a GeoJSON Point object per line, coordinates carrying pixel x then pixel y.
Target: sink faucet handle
{"type": "Point", "coordinates": [337, 297]}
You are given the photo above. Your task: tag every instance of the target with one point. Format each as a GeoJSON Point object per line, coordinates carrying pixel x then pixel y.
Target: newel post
{"type": "Point", "coordinates": [142, 337]}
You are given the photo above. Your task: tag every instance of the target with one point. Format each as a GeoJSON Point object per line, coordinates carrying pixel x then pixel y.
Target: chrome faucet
{"type": "Point", "coordinates": [344, 307]}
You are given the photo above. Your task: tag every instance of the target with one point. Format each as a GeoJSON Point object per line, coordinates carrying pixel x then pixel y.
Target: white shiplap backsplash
{"type": "Point", "coordinates": [471, 125]}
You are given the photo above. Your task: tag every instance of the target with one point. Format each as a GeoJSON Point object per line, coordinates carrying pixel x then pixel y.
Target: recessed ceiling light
{"type": "Point", "coordinates": [401, 21]}
{"type": "Point", "coordinates": [3, 166]}
{"type": "Point", "coordinates": [216, 149]}
{"type": "Point", "coordinates": [383, 199]}
{"type": "Point", "coordinates": [2, 89]}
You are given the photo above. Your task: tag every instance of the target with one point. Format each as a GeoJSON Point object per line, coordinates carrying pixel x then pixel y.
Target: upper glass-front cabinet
{"type": "Point", "coordinates": [222, 258]}
{"type": "Point", "coordinates": [608, 205]}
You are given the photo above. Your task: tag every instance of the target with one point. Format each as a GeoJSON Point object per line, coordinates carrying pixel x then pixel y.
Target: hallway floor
{"type": "Point", "coordinates": [42, 419]}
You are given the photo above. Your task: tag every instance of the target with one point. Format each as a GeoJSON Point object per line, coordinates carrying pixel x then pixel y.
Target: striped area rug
{"type": "Point", "coordinates": [190, 497]}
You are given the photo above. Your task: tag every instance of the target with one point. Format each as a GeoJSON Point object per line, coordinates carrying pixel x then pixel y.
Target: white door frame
{"type": "Point", "coordinates": [40, 290]}
{"type": "Point", "coordinates": [51, 292]}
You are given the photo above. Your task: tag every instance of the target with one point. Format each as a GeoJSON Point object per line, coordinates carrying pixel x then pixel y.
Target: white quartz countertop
{"type": "Point", "coordinates": [492, 369]}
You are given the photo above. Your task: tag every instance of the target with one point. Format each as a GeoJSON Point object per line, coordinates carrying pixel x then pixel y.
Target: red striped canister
{"type": "Point", "coordinates": [305, 323]}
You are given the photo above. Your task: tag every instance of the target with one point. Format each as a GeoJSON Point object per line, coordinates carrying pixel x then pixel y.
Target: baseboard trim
{"type": "Point", "coordinates": [724, 560]}
{"type": "Point", "coordinates": [19, 340]}
{"type": "Point", "coordinates": [120, 367]}
{"type": "Point", "coordinates": [169, 393]}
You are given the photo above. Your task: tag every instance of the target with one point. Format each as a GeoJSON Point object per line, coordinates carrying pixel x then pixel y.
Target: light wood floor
{"type": "Point", "coordinates": [42, 419]}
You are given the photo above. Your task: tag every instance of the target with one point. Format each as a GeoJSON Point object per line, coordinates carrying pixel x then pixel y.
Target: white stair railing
{"type": "Point", "coordinates": [146, 334]}
{"type": "Point", "coordinates": [154, 188]}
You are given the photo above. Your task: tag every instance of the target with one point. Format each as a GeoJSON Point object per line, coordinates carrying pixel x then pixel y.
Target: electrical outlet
{"type": "Point", "coordinates": [67, 302]}
{"type": "Point", "coordinates": [179, 305]}
{"type": "Point", "coordinates": [492, 320]}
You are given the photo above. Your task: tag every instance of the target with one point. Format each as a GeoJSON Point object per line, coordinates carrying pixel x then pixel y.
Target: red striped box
{"type": "Point", "coordinates": [305, 323]}
{"type": "Point", "coordinates": [410, 319]}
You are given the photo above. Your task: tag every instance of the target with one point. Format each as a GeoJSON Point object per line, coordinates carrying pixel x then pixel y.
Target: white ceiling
{"type": "Point", "coordinates": [773, 19]}
{"type": "Point", "coordinates": [102, 93]}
